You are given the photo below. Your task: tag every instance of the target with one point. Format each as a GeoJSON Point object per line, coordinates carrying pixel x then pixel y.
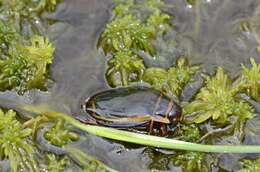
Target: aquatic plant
{"type": "Point", "coordinates": [24, 56]}
{"type": "Point", "coordinates": [87, 162]}
{"type": "Point", "coordinates": [46, 5]}
{"type": "Point", "coordinates": [249, 80]}
{"type": "Point", "coordinates": [122, 7]}
{"type": "Point", "coordinates": [191, 161]}
{"type": "Point", "coordinates": [191, 2]}
{"type": "Point", "coordinates": [8, 37]}
{"type": "Point", "coordinates": [56, 163]}
{"type": "Point", "coordinates": [159, 21]}
{"type": "Point", "coordinates": [250, 165]}
{"type": "Point", "coordinates": [189, 133]}
{"type": "Point", "coordinates": [15, 144]}
{"type": "Point", "coordinates": [59, 135]}
{"type": "Point", "coordinates": [127, 33]}
{"type": "Point", "coordinates": [217, 101]}
{"type": "Point", "coordinates": [26, 67]}
{"type": "Point", "coordinates": [127, 65]}
{"type": "Point", "coordinates": [171, 81]}
{"type": "Point", "coordinates": [142, 139]}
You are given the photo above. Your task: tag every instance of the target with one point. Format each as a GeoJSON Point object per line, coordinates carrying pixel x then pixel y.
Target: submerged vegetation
{"type": "Point", "coordinates": [132, 30]}
{"type": "Point", "coordinates": [14, 143]}
{"type": "Point", "coordinates": [171, 81]}
{"type": "Point", "coordinates": [26, 65]}
{"type": "Point", "coordinates": [26, 54]}
{"type": "Point", "coordinates": [250, 165]}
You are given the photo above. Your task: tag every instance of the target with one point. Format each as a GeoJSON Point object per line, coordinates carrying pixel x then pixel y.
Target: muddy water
{"type": "Point", "coordinates": [208, 33]}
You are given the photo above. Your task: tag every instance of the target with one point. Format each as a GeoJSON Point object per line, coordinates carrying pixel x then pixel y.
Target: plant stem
{"type": "Point", "coordinates": [124, 79]}
{"type": "Point", "coordinates": [154, 140]}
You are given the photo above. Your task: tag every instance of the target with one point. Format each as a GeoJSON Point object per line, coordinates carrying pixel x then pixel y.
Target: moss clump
{"type": "Point", "coordinates": [126, 33]}
{"type": "Point", "coordinates": [217, 101]}
{"type": "Point", "coordinates": [250, 165]}
{"type": "Point", "coordinates": [249, 80]}
{"type": "Point", "coordinates": [58, 135]}
{"type": "Point", "coordinates": [135, 27]}
{"type": "Point", "coordinates": [191, 161]}
{"type": "Point", "coordinates": [171, 81]}
{"type": "Point", "coordinates": [26, 66]}
{"type": "Point", "coordinates": [127, 65]}
{"type": "Point", "coordinates": [15, 144]}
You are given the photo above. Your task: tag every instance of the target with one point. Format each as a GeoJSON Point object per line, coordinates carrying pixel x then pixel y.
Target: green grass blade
{"type": "Point", "coordinates": [154, 141]}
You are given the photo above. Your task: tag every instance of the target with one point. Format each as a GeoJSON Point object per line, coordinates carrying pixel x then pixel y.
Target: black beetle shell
{"type": "Point", "coordinates": [129, 102]}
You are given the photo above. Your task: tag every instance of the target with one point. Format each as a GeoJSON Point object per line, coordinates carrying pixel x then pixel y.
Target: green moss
{"type": "Point", "coordinates": [24, 57]}
{"type": "Point", "coordinates": [127, 33]}
{"type": "Point", "coordinates": [15, 144]}
{"type": "Point", "coordinates": [191, 2]}
{"type": "Point", "coordinates": [170, 81]}
{"type": "Point", "coordinates": [127, 65]}
{"type": "Point", "coordinates": [87, 162]}
{"type": "Point", "coordinates": [249, 80]}
{"type": "Point", "coordinates": [159, 21]}
{"type": "Point", "coordinates": [59, 135]}
{"type": "Point", "coordinates": [46, 5]}
{"type": "Point", "coordinates": [191, 161]}
{"type": "Point", "coordinates": [56, 163]}
{"type": "Point", "coordinates": [217, 101]}
{"type": "Point", "coordinates": [189, 133]}
{"type": "Point", "coordinates": [26, 66]}
{"type": "Point", "coordinates": [250, 165]}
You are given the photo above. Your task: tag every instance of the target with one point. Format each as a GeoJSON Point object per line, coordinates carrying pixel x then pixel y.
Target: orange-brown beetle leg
{"type": "Point", "coordinates": [163, 130]}
{"type": "Point", "coordinates": [151, 127]}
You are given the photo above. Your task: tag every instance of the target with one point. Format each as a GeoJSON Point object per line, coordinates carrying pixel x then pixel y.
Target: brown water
{"type": "Point", "coordinates": [208, 33]}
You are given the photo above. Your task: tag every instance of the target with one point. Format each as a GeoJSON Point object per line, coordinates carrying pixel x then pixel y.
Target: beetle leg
{"type": "Point", "coordinates": [163, 130]}
{"type": "Point", "coordinates": [151, 127]}
{"type": "Point", "coordinates": [169, 108]}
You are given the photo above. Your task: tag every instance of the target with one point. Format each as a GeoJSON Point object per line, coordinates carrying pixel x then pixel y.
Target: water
{"type": "Point", "coordinates": [208, 33]}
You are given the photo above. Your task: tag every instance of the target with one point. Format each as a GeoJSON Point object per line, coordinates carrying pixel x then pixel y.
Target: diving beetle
{"type": "Point", "coordinates": [133, 107]}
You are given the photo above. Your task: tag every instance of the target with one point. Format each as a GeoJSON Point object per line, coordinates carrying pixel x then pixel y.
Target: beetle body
{"type": "Point", "coordinates": [133, 107]}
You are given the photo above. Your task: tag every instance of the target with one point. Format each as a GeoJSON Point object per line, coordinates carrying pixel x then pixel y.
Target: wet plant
{"type": "Point", "coordinates": [217, 101]}
{"type": "Point", "coordinates": [127, 33]}
{"type": "Point", "coordinates": [25, 56]}
{"type": "Point", "coordinates": [171, 81]}
{"type": "Point", "coordinates": [15, 144]}
{"type": "Point", "coordinates": [59, 135]}
{"type": "Point", "coordinates": [191, 161]}
{"type": "Point", "coordinates": [87, 162]}
{"type": "Point", "coordinates": [189, 133]}
{"type": "Point", "coordinates": [249, 80]}
{"type": "Point", "coordinates": [124, 65]}
{"type": "Point", "coordinates": [26, 66]}
{"type": "Point", "coordinates": [250, 165]}
{"type": "Point", "coordinates": [56, 163]}
{"type": "Point", "coordinates": [159, 21]}
{"type": "Point", "coordinates": [134, 28]}
{"type": "Point", "coordinates": [47, 5]}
